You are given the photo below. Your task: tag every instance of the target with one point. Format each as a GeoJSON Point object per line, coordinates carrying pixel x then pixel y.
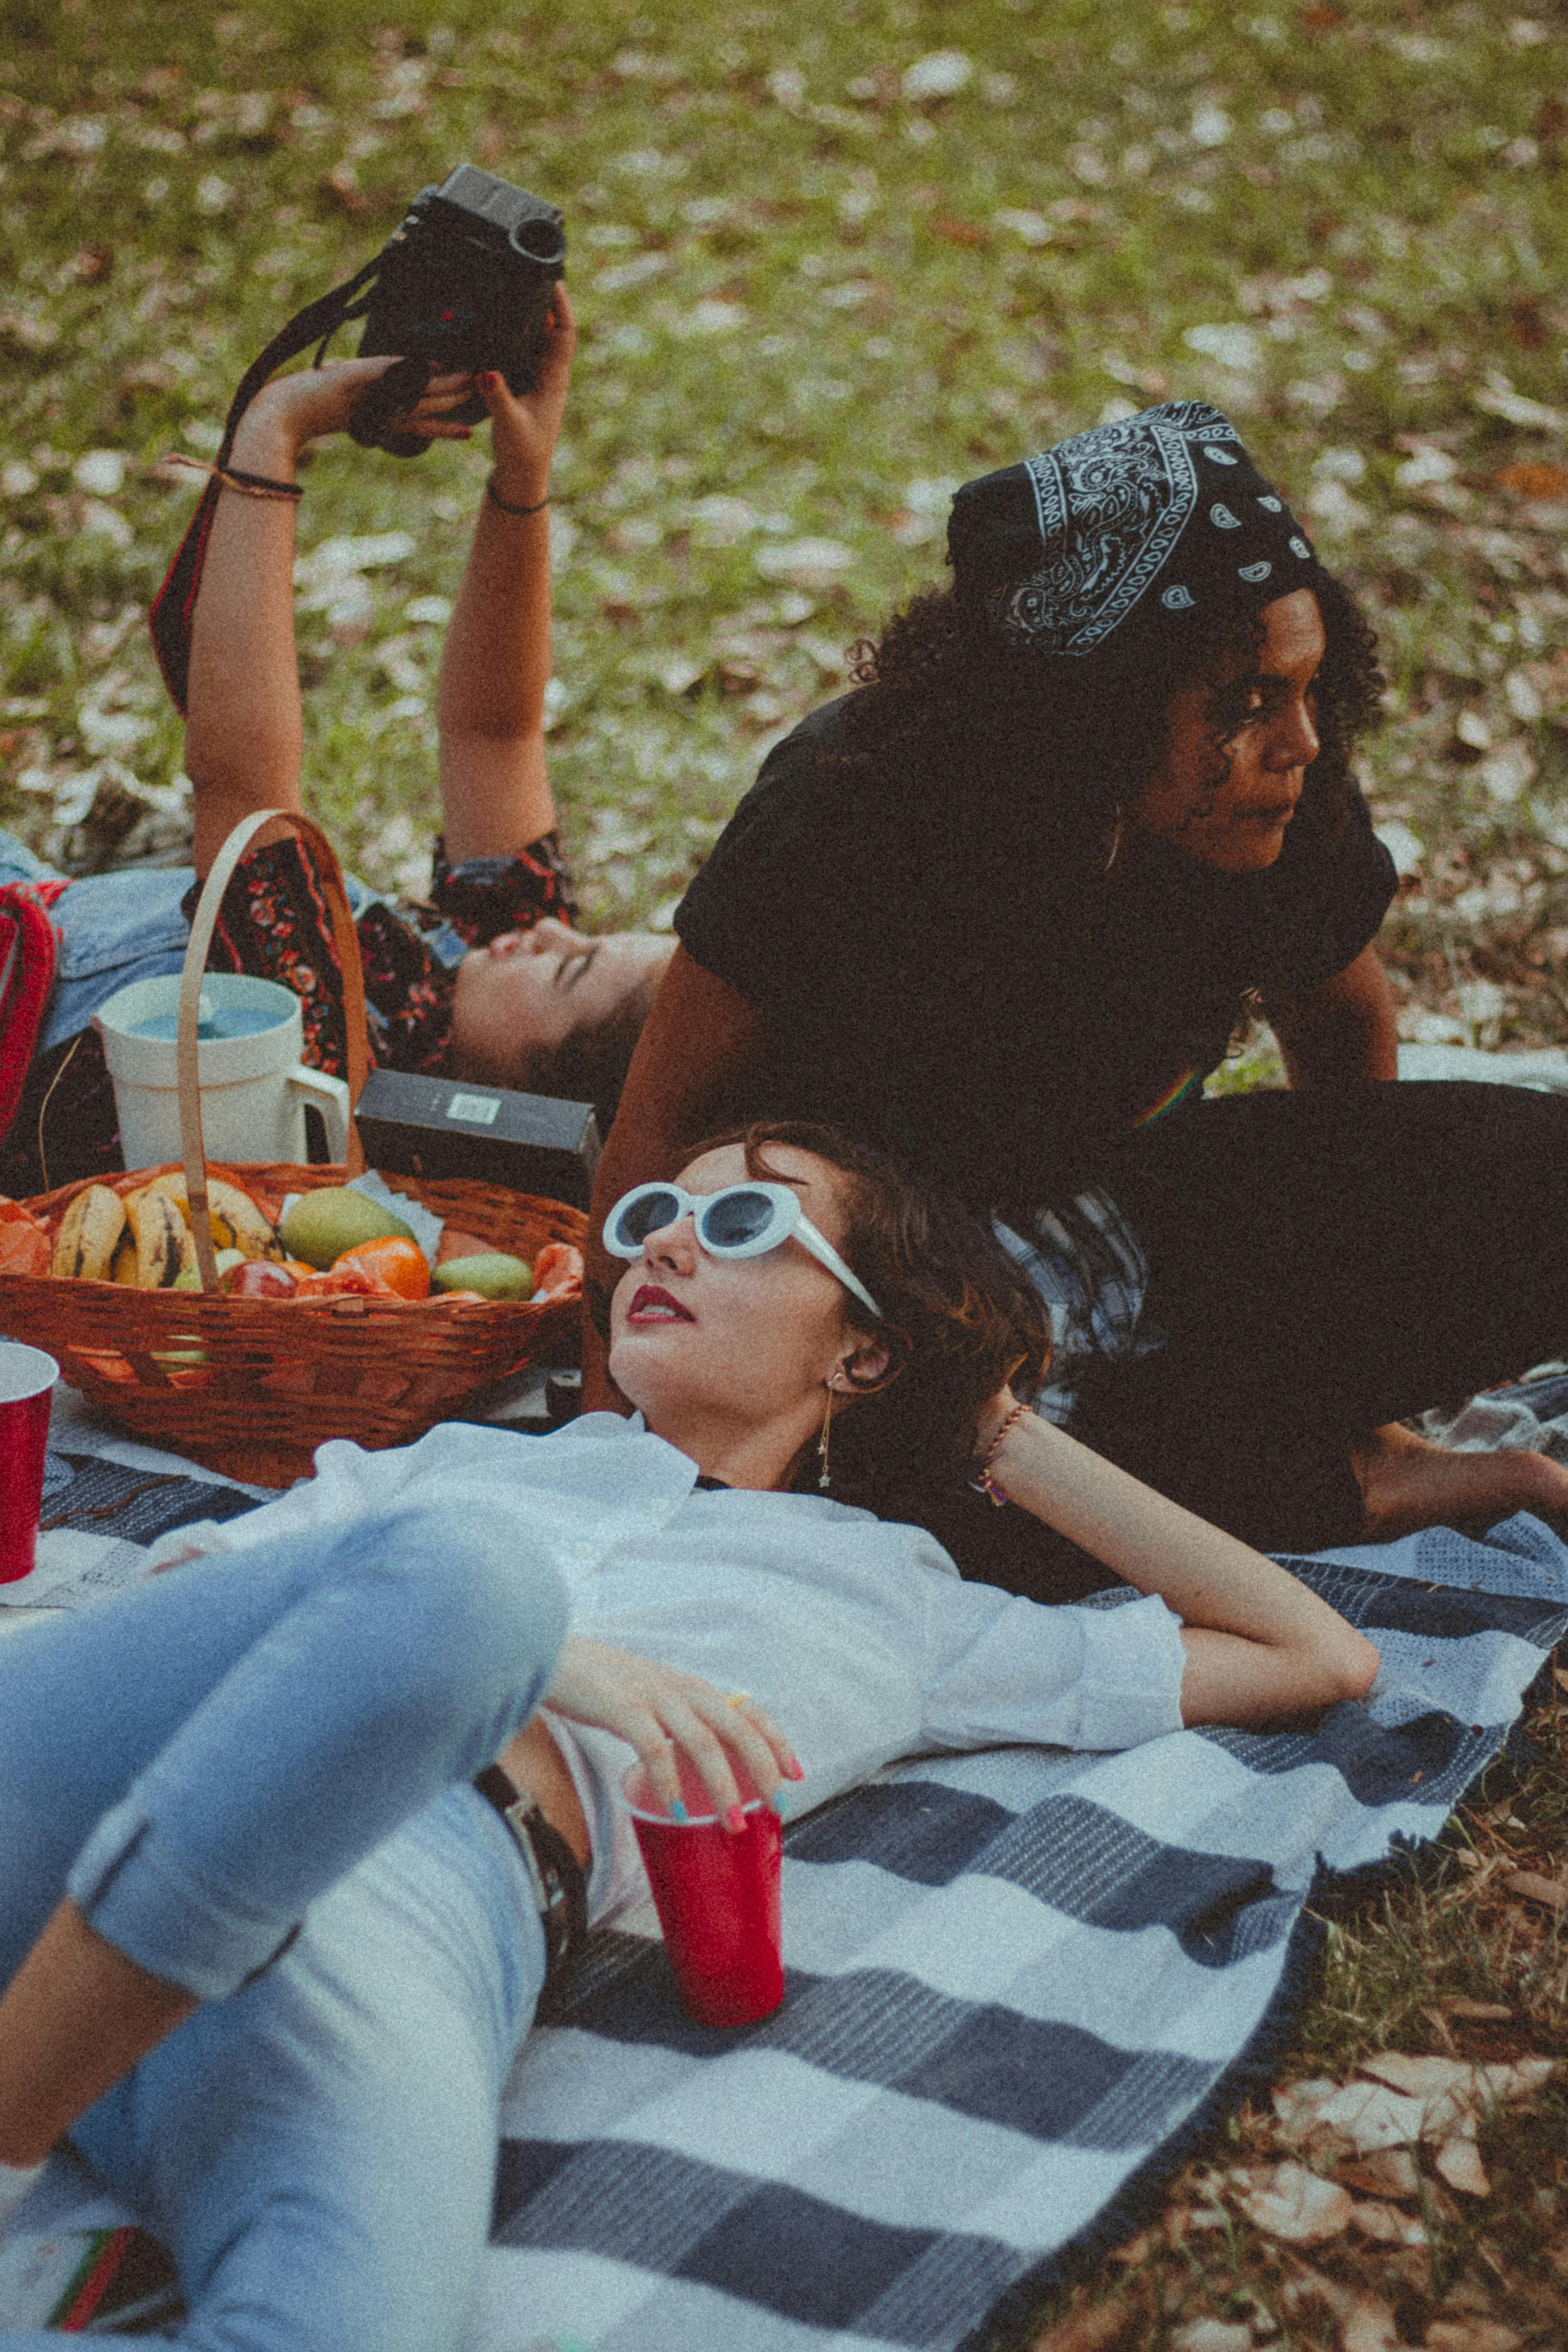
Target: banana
{"type": "Point", "coordinates": [84, 1247]}
{"type": "Point", "coordinates": [237, 1221]}
{"type": "Point", "coordinates": [163, 1244]}
{"type": "Point", "coordinates": [122, 1264]}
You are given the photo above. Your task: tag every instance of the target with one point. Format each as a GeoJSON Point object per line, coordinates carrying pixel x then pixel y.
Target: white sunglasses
{"type": "Point", "coordinates": [741, 1221]}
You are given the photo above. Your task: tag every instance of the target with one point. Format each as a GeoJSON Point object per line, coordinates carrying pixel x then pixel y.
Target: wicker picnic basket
{"type": "Point", "coordinates": [251, 1387]}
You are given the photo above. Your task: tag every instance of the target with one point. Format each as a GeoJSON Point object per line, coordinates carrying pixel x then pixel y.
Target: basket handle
{"type": "Point", "coordinates": [346, 940]}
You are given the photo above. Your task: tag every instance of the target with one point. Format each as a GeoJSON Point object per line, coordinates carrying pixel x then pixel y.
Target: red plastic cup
{"type": "Point", "coordinates": [27, 1377]}
{"type": "Point", "coordinates": [716, 1893]}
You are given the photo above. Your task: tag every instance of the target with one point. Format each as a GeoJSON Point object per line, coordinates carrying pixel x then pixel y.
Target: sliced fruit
{"type": "Point", "coordinates": [85, 1244]}
{"type": "Point", "coordinates": [494, 1274]}
{"type": "Point", "coordinates": [400, 1264]}
{"type": "Point", "coordinates": [323, 1225]}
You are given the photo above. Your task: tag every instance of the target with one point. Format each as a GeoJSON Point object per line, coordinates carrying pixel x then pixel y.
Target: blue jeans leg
{"type": "Point", "coordinates": [197, 1759]}
{"type": "Point", "coordinates": [319, 2152]}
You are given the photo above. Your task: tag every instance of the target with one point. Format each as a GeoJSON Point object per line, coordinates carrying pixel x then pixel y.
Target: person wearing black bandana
{"type": "Point", "coordinates": [1003, 909]}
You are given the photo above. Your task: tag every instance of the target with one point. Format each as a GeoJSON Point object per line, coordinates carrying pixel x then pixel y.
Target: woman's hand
{"type": "Point", "coordinates": [526, 425]}
{"type": "Point", "coordinates": [658, 1710]}
{"type": "Point", "coordinates": [293, 410]}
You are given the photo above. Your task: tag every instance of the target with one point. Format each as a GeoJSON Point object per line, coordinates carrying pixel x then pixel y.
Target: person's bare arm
{"type": "Point", "coordinates": [700, 1042]}
{"type": "Point", "coordinates": [1258, 1643]}
{"type": "Point", "coordinates": [244, 736]}
{"type": "Point", "coordinates": [495, 667]}
{"type": "Point", "coordinates": [1343, 1029]}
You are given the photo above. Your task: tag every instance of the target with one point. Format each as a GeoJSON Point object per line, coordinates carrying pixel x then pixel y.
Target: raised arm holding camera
{"type": "Point", "coordinates": [491, 979]}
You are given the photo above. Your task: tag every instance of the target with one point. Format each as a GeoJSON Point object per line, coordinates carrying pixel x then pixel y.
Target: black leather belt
{"type": "Point", "coordinates": [559, 1888]}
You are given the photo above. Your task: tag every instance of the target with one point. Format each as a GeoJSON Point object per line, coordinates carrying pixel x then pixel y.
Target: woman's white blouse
{"type": "Point", "coordinates": [856, 1634]}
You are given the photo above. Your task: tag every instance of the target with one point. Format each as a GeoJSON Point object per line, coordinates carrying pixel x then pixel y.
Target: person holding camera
{"type": "Point", "coordinates": [1001, 909]}
{"type": "Point", "coordinates": [491, 979]}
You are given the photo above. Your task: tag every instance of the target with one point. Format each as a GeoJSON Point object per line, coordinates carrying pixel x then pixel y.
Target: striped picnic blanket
{"type": "Point", "coordinates": [1019, 1984]}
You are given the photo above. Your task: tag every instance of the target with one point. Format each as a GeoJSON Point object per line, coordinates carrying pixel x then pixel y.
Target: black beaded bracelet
{"type": "Point", "coordinates": [497, 500]}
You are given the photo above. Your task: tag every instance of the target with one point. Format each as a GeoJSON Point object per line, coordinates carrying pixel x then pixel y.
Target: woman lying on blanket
{"type": "Point", "coordinates": [491, 979]}
{"type": "Point", "coordinates": [189, 1769]}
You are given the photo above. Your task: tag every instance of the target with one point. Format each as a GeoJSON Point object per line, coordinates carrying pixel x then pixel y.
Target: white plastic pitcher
{"type": "Point", "coordinates": [253, 1087]}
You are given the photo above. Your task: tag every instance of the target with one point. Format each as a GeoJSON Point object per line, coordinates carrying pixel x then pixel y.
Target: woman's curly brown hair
{"type": "Point", "coordinates": [957, 1317]}
{"type": "Point", "coordinates": [1076, 742]}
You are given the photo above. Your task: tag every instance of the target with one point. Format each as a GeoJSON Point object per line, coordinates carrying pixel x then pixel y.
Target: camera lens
{"type": "Point", "coordinates": [540, 239]}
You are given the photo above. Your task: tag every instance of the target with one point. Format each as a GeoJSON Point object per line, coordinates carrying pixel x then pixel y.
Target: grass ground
{"type": "Point", "coordinates": [830, 261]}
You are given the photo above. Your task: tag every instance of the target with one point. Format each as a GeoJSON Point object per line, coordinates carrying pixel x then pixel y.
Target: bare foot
{"type": "Point", "coordinates": [1408, 1483]}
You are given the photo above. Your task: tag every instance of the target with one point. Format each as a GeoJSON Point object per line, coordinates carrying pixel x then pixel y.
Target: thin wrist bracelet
{"type": "Point", "coordinates": [234, 477]}
{"type": "Point", "coordinates": [986, 1482]}
{"type": "Point", "coordinates": [496, 499]}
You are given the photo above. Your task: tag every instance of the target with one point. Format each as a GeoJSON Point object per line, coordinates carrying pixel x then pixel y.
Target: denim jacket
{"type": "Point", "coordinates": [114, 929]}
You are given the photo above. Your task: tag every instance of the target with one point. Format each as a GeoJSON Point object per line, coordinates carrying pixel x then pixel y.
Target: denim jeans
{"type": "Point", "coordinates": [249, 1744]}
{"type": "Point", "coordinates": [114, 929]}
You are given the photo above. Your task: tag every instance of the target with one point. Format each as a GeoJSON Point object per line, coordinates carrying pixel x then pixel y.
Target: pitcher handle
{"type": "Point", "coordinates": [332, 1098]}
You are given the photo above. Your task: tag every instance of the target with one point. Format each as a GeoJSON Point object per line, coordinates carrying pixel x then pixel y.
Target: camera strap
{"type": "Point", "coordinates": [175, 602]}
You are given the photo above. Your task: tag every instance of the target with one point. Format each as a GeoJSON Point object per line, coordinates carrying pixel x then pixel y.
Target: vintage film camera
{"type": "Point", "coordinates": [464, 282]}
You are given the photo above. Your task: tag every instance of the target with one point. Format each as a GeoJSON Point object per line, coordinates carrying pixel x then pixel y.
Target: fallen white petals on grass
{"type": "Point", "coordinates": [805, 562]}
{"type": "Point", "coordinates": [102, 471]}
{"type": "Point", "coordinates": [1499, 398]}
{"type": "Point", "coordinates": [336, 558]}
{"type": "Point", "coordinates": [1234, 345]}
{"type": "Point", "coordinates": [1298, 2206]}
{"type": "Point", "coordinates": [941, 74]}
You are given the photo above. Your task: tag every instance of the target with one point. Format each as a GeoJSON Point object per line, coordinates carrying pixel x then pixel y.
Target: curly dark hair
{"type": "Point", "coordinates": [1075, 741]}
{"type": "Point", "coordinates": [957, 1315]}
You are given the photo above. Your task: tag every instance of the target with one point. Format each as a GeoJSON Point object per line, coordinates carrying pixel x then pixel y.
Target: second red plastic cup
{"type": "Point", "coordinates": [26, 1378]}
{"type": "Point", "coordinates": [717, 1893]}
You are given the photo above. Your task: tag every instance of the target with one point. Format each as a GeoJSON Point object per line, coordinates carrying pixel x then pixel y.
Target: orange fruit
{"type": "Point", "coordinates": [399, 1264]}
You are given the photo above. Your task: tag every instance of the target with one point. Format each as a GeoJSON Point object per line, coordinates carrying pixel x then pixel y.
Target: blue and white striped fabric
{"type": "Point", "coordinates": [1018, 1983]}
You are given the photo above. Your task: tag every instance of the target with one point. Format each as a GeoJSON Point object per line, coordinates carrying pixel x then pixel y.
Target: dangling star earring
{"type": "Point", "coordinates": [822, 1475]}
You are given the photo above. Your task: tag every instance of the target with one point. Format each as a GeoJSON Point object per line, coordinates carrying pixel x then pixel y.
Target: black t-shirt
{"type": "Point", "coordinates": [934, 978]}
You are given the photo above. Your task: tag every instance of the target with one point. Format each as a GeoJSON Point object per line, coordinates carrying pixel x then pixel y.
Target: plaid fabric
{"type": "Point", "coordinates": [1089, 1266]}
{"type": "Point", "coordinates": [1018, 1983]}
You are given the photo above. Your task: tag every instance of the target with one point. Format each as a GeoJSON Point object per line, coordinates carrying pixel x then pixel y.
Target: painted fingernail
{"type": "Point", "coordinates": [735, 1819]}
{"type": "Point", "coordinates": [678, 1812]}
{"type": "Point", "coordinates": [779, 1803]}
{"type": "Point", "coordinates": [795, 1769]}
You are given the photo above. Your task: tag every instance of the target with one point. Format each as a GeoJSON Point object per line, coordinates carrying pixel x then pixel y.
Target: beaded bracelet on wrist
{"type": "Point", "coordinates": [986, 1482]}
{"type": "Point", "coordinates": [234, 477]}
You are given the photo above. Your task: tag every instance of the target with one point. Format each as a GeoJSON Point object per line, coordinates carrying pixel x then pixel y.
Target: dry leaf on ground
{"type": "Point", "coordinates": [1460, 2163]}
{"type": "Point", "coordinates": [1385, 2225]}
{"type": "Point", "coordinates": [1368, 2325]}
{"type": "Point", "coordinates": [1532, 1887]}
{"type": "Point", "coordinates": [1094, 2330]}
{"type": "Point", "coordinates": [1298, 2206]}
{"type": "Point", "coordinates": [1386, 2172]}
{"type": "Point", "coordinates": [1328, 2117]}
{"type": "Point", "coordinates": [1212, 2335]}
{"type": "Point", "coordinates": [1469, 2335]}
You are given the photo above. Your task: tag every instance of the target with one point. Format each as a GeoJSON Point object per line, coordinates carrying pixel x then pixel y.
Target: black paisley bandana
{"type": "Point", "coordinates": [1161, 519]}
